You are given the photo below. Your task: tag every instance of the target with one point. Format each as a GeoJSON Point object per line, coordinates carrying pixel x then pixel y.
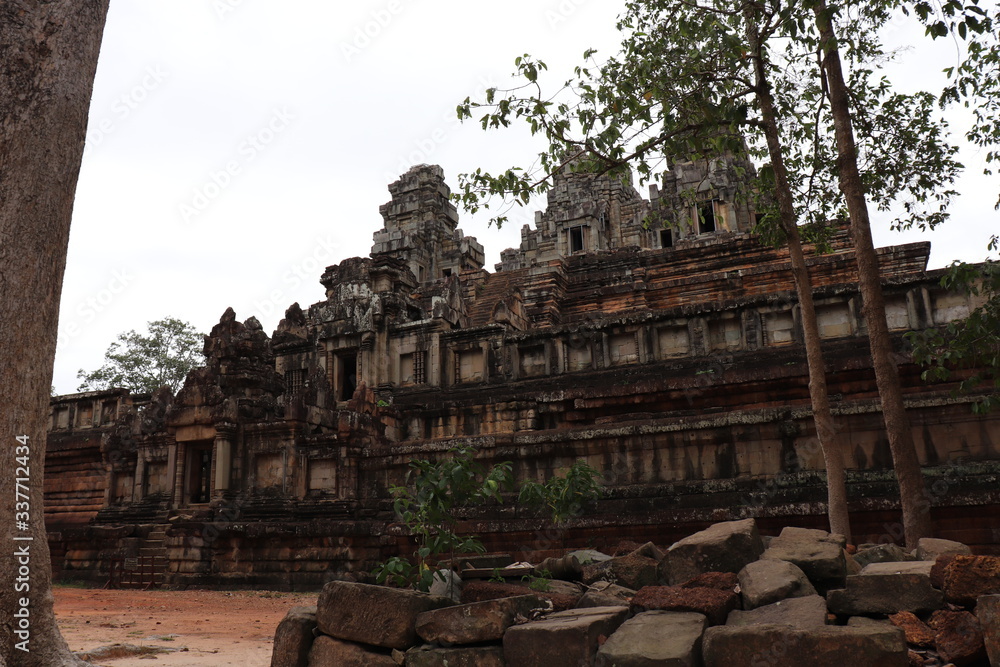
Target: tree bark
{"type": "Point", "coordinates": [913, 497]}
{"type": "Point", "coordinates": [48, 57]}
{"type": "Point", "coordinates": [826, 431]}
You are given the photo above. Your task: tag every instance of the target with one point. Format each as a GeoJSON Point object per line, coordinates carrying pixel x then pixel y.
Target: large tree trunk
{"type": "Point", "coordinates": [916, 515]}
{"type": "Point", "coordinates": [48, 56]}
{"type": "Point", "coordinates": [826, 432]}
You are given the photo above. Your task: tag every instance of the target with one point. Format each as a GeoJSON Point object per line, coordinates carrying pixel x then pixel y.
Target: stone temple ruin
{"type": "Point", "coordinates": [655, 339]}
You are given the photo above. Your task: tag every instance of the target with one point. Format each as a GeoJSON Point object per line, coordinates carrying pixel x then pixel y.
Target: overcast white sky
{"type": "Point", "coordinates": [238, 147]}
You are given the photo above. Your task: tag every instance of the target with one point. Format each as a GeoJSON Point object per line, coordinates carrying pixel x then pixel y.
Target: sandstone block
{"type": "Point", "coordinates": [374, 615]}
{"type": "Point", "coordinates": [916, 631]}
{"type": "Point", "coordinates": [723, 581]}
{"type": "Point", "coordinates": [479, 591]}
{"type": "Point", "coordinates": [804, 612]}
{"type": "Point", "coordinates": [476, 622]}
{"type": "Point", "coordinates": [767, 581]}
{"type": "Point", "coordinates": [988, 613]}
{"type": "Point", "coordinates": [884, 594]}
{"type": "Point", "coordinates": [662, 638]}
{"type": "Point", "coordinates": [826, 646]}
{"type": "Point", "coordinates": [294, 638]}
{"type": "Point", "coordinates": [722, 547]}
{"type": "Point", "coordinates": [589, 556]}
{"type": "Point", "coordinates": [566, 638]}
{"type": "Point", "coordinates": [881, 553]}
{"type": "Point", "coordinates": [330, 652]}
{"type": "Point", "coordinates": [473, 656]}
{"type": "Point", "coordinates": [958, 637]}
{"type": "Point", "coordinates": [968, 577]}
{"type": "Point", "coordinates": [817, 553]}
{"type": "Point", "coordinates": [929, 548]}
{"type": "Point", "coordinates": [713, 603]}
{"type": "Point", "coordinates": [631, 571]}
{"type": "Point", "coordinates": [568, 567]}
{"type": "Point", "coordinates": [921, 567]}
{"type": "Point", "coordinates": [606, 594]}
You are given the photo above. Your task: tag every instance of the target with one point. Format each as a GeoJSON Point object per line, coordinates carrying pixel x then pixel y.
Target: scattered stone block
{"type": "Point", "coordinates": [473, 656]}
{"type": "Point", "coordinates": [480, 591]}
{"type": "Point", "coordinates": [667, 638]}
{"type": "Point", "coordinates": [722, 581]}
{"type": "Point", "coordinates": [881, 553]}
{"type": "Point", "coordinates": [888, 593]}
{"type": "Point", "coordinates": [589, 556]}
{"type": "Point", "coordinates": [374, 615]}
{"type": "Point", "coordinates": [826, 646]}
{"type": "Point", "coordinates": [916, 631]}
{"type": "Point", "coordinates": [331, 652]}
{"type": "Point", "coordinates": [816, 552]}
{"type": "Point", "coordinates": [968, 577]}
{"type": "Point", "coordinates": [650, 550]}
{"type": "Point", "coordinates": [722, 547]}
{"type": "Point", "coordinates": [929, 548]}
{"type": "Point", "coordinates": [920, 567]}
{"type": "Point", "coordinates": [767, 581]}
{"type": "Point", "coordinates": [566, 638]}
{"type": "Point", "coordinates": [713, 603]}
{"type": "Point", "coordinates": [477, 622]}
{"type": "Point", "coordinates": [804, 612]}
{"type": "Point", "coordinates": [606, 594]}
{"type": "Point", "coordinates": [632, 571]}
{"type": "Point", "coordinates": [294, 638]}
{"type": "Point", "coordinates": [958, 637]}
{"type": "Point", "coordinates": [988, 613]}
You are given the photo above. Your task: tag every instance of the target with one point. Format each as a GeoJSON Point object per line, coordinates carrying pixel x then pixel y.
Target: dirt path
{"type": "Point", "coordinates": [217, 628]}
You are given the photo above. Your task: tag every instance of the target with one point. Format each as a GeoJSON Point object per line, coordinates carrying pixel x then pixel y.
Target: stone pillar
{"type": "Point", "coordinates": [222, 458]}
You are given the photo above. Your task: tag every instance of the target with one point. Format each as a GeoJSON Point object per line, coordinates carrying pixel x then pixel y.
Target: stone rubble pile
{"type": "Point", "coordinates": [724, 597]}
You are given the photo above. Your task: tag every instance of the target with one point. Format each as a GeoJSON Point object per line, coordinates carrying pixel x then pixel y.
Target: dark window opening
{"type": "Point", "coordinates": [576, 239]}
{"type": "Point", "coordinates": [348, 376]}
{"type": "Point", "coordinates": [200, 474]}
{"type": "Point", "coordinates": [666, 238]}
{"type": "Point", "coordinates": [706, 218]}
{"type": "Point", "coordinates": [420, 273]}
{"type": "Point", "coordinates": [295, 381]}
{"type": "Point", "coordinates": [419, 366]}
{"type": "Point", "coordinates": [447, 273]}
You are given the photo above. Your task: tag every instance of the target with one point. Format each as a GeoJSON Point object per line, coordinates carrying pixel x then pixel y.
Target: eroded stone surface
{"type": "Point", "coordinates": [566, 638]}
{"type": "Point", "coordinates": [723, 547]}
{"type": "Point", "coordinates": [766, 581]}
{"type": "Point", "coordinates": [606, 594]}
{"type": "Point", "coordinates": [988, 613]}
{"type": "Point", "coordinates": [475, 656]}
{"type": "Point", "coordinates": [917, 632]}
{"type": "Point", "coordinates": [957, 636]}
{"type": "Point", "coordinates": [712, 603]}
{"type": "Point", "coordinates": [294, 637]}
{"type": "Point", "coordinates": [929, 548]}
{"type": "Point", "coordinates": [631, 571]}
{"type": "Point", "coordinates": [477, 622]}
{"type": "Point", "coordinates": [662, 638]}
{"type": "Point", "coordinates": [331, 652]}
{"type": "Point", "coordinates": [374, 615]}
{"type": "Point", "coordinates": [817, 553]}
{"type": "Point", "coordinates": [827, 646]}
{"type": "Point", "coordinates": [802, 612]}
{"type": "Point", "coordinates": [968, 577]}
{"type": "Point", "coordinates": [884, 594]}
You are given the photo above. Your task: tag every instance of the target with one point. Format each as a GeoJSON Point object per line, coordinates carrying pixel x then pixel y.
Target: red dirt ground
{"type": "Point", "coordinates": [216, 627]}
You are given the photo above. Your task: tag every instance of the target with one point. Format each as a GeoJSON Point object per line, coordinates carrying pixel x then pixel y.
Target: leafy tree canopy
{"type": "Point", "coordinates": [142, 363]}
